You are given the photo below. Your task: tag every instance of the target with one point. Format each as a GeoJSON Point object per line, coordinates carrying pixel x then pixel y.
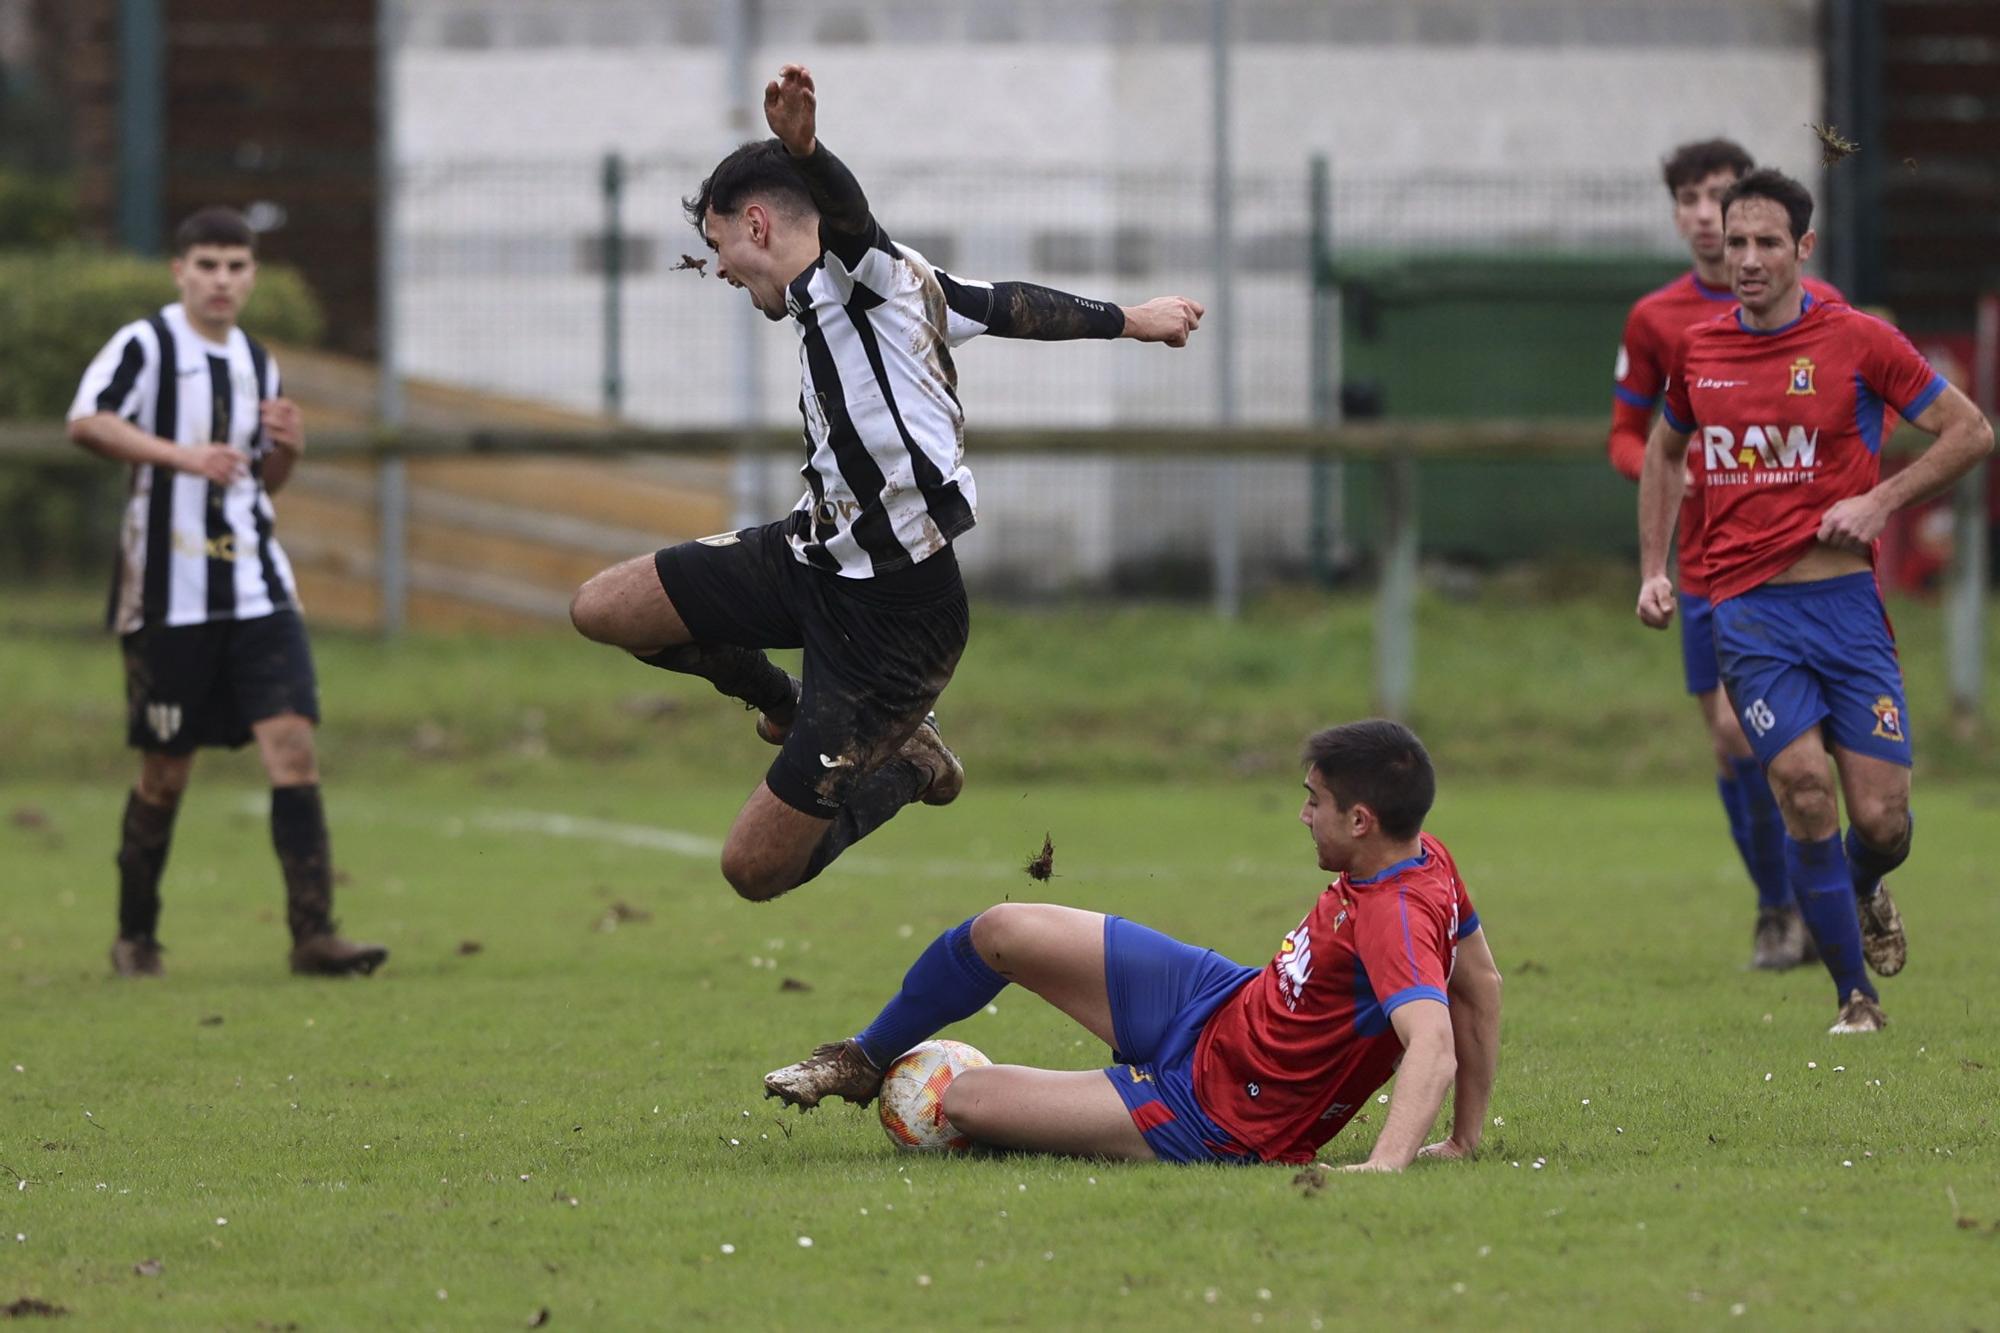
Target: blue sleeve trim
{"type": "Point", "coordinates": [1667, 411]}
{"type": "Point", "coordinates": [1631, 399]}
{"type": "Point", "coordinates": [1867, 414]}
{"type": "Point", "coordinates": [1404, 996]}
{"type": "Point", "coordinates": [1467, 926]}
{"type": "Point", "coordinates": [1924, 399]}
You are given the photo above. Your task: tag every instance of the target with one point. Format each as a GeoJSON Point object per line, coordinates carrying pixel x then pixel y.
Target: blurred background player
{"type": "Point", "coordinates": [215, 650]}
{"type": "Point", "coordinates": [1697, 175]}
{"type": "Point", "coordinates": [1388, 973]}
{"type": "Point", "coordinates": [1789, 396]}
{"type": "Point", "coordinates": [862, 573]}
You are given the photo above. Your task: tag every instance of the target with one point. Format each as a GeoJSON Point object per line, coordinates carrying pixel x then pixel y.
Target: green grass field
{"type": "Point", "coordinates": [567, 1118]}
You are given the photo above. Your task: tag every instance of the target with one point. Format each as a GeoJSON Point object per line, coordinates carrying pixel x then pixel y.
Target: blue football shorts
{"type": "Point", "coordinates": [1698, 644]}
{"type": "Point", "coordinates": [1162, 993]}
{"type": "Point", "coordinates": [1799, 655]}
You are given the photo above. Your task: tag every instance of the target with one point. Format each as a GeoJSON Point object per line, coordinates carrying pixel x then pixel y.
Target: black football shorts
{"type": "Point", "coordinates": [195, 685]}
{"type": "Point", "coordinates": [878, 651]}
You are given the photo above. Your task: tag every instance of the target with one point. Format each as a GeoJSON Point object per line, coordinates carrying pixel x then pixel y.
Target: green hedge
{"type": "Point", "coordinates": [58, 308]}
{"type": "Point", "coordinates": [36, 212]}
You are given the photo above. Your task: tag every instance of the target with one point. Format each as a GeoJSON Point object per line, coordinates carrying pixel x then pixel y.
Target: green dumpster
{"type": "Point", "coordinates": [1493, 336]}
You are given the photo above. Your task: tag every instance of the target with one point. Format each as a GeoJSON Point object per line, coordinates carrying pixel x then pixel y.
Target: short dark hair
{"type": "Point", "coordinates": [1780, 189]}
{"type": "Point", "coordinates": [760, 167]}
{"type": "Point", "coordinates": [1693, 163]}
{"type": "Point", "coordinates": [1378, 763]}
{"type": "Point", "coordinates": [214, 226]}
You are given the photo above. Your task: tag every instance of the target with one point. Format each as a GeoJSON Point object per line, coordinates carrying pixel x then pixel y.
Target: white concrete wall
{"type": "Point", "coordinates": [989, 124]}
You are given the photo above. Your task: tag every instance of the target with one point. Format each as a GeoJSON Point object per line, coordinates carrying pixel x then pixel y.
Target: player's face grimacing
{"type": "Point", "coordinates": [1764, 260]}
{"type": "Point", "coordinates": [1698, 214]}
{"type": "Point", "coordinates": [215, 281]}
{"type": "Point", "coordinates": [742, 245]}
{"type": "Point", "coordinates": [1336, 833]}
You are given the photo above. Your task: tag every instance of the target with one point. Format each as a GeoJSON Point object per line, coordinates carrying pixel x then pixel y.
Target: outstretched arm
{"type": "Point", "coordinates": [1027, 310]}
{"type": "Point", "coordinates": [1475, 1033]}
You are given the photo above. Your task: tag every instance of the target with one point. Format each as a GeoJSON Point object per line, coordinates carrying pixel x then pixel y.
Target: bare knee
{"type": "Point", "coordinates": [590, 610]}
{"type": "Point", "coordinates": [1881, 820]}
{"type": "Point", "coordinates": [163, 778]}
{"type": "Point", "coordinates": [965, 1104]}
{"type": "Point", "coordinates": [1004, 931]}
{"type": "Point", "coordinates": [287, 750]}
{"type": "Point", "coordinates": [1806, 800]}
{"type": "Point", "coordinates": [756, 879]}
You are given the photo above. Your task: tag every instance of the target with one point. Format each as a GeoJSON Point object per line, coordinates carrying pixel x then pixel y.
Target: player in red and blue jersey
{"type": "Point", "coordinates": [1389, 973]}
{"type": "Point", "coordinates": [1697, 176]}
{"type": "Point", "coordinates": [1788, 395]}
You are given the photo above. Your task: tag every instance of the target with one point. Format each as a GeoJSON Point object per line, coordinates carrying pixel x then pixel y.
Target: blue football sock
{"type": "Point", "coordinates": [949, 981]}
{"type": "Point", "coordinates": [1760, 834]}
{"type": "Point", "coordinates": [1826, 900]}
{"type": "Point", "coordinates": [1868, 864]}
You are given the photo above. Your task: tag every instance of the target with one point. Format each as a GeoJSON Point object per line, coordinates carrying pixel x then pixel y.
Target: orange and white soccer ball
{"type": "Point", "coordinates": [912, 1105]}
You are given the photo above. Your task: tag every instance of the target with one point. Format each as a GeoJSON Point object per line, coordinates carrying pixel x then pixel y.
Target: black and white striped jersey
{"type": "Point", "coordinates": [885, 436]}
{"type": "Point", "coordinates": [190, 551]}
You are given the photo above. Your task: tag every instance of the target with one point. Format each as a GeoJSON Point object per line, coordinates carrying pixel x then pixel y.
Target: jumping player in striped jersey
{"type": "Point", "coordinates": [1788, 393]}
{"type": "Point", "coordinates": [1697, 175]}
{"type": "Point", "coordinates": [861, 574]}
{"type": "Point", "coordinates": [1389, 973]}
{"type": "Point", "coordinates": [203, 596]}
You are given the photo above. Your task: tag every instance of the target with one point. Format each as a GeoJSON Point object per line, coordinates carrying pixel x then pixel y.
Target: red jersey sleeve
{"type": "Point", "coordinates": [1677, 407]}
{"type": "Point", "coordinates": [1405, 938]}
{"type": "Point", "coordinates": [1897, 372]}
{"type": "Point", "coordinates": [1636, 381]}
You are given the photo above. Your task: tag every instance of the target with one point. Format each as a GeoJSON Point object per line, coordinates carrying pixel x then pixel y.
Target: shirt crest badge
{"type": "Point", "coordinates": [1888, 719]}
{"type": "Point", "coordinates": [1802, 378]}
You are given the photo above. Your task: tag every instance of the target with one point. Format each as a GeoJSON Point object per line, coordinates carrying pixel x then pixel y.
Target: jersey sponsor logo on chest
{"type": "Point", "coordinates": [1295, 960]}
{"type": "Point", "coordinates": [1784, 448]}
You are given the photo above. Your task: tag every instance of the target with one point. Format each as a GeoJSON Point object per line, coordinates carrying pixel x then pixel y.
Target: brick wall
{"type": "Point", "coordinates": [268, 101]}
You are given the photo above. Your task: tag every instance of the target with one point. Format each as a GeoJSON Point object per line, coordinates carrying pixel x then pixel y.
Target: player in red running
{"type": "Point", "coordinates": [1215, 1061]}
{"type": "Point", "coordinates": [1788, 394]}
{"type": "Point", "coordinates": [1697, 175]}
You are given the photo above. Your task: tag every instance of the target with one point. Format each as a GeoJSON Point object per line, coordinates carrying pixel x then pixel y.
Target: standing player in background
{"type": "Point", "coordinates": [1697, 175]}
{"type": "Point", "coordinates": [1389, 973]}
{"type": "Point", "coordinates": [1788, 395]}
{"type": "Point", "coordinates": [861, 574]}
{"type": "Point", "coordinates": [215, 651]}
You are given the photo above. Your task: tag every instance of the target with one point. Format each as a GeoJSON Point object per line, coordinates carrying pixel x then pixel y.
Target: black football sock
{"type": "Point", "coordinates": [740, 673]}
{"type": "Point", "coordinates": [298, 832]}
{"type": "Point", "coordinates": [142, 855]}
{"type": "Point", "coordinates": [874, 799]}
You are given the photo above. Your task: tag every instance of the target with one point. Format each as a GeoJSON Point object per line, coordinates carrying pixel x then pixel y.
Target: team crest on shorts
{"type": "Point", "coordinates": [720, 539]}
{"type": "Point", "coordinates": [164, 720]}
{"type": "Point", "coordinates": [1888, 719]}
{"type": "Point", "coordinates": [1802, 377]}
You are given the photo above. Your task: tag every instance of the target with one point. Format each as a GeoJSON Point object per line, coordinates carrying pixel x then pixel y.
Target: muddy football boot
{"type": "Point", "coordinates": [1859, 1014]}
{"type": "Point", "coordinates": [1781, 940]}
{"type": "Point", "coordinates": [137, 958]}
{"type": "Point", "coordinates": [927, 749]}
{"type": "Point", "coordinates": [837, 1069]}
{"type": "Point", "coordinates": [1883, 943]}
{"type": "Point", "coordinates": [331, 956]}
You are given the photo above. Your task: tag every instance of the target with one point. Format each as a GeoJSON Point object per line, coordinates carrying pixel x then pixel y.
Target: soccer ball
{"type": "Point", "coordinates": [912, 1104]}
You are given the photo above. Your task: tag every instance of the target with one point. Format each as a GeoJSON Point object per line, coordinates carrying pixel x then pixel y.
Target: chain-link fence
{"type": "Point", "coordinates": [504, 283]}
